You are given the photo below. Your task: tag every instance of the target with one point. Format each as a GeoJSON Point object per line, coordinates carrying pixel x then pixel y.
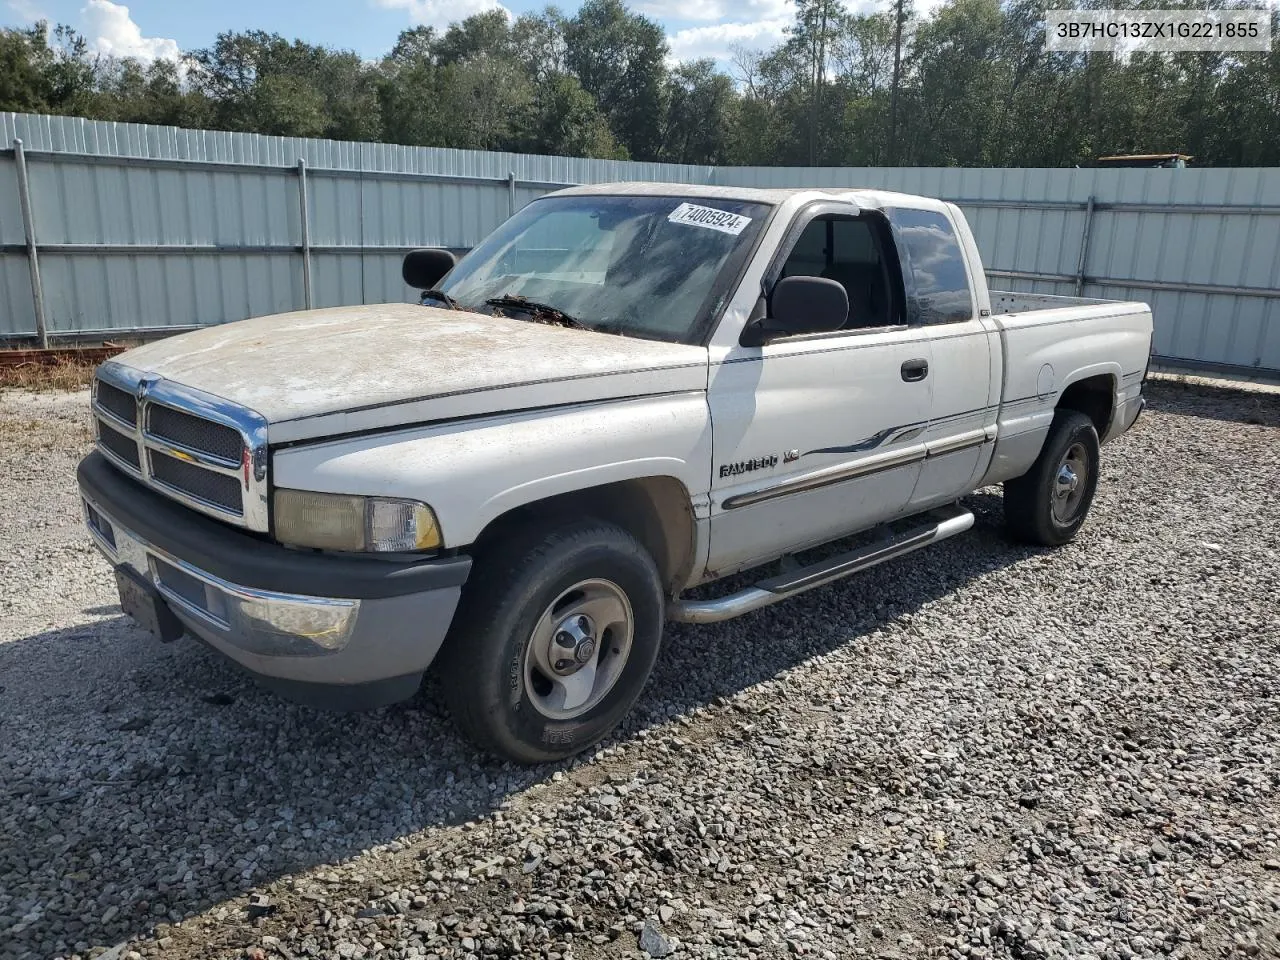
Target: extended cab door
{"type": "Point", "coordinates": [820, 435]}
{"type": "Point", "coordinates": [944, 299]}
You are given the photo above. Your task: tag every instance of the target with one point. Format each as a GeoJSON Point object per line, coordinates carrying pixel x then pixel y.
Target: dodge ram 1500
{"type": "Point", "coordinates": [624, 392]}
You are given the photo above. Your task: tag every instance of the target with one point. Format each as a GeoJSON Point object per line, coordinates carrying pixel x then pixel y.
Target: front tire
{"type": "Point", "coordinates": [1049, 503]}
{"type": "Point", "coordinates": [553, 641]}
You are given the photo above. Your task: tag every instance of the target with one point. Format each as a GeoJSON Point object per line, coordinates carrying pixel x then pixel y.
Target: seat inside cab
{"type": "Point", "coordinates": [845, 250]}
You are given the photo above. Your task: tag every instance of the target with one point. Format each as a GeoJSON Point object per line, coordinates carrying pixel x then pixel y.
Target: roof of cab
{"type": "Point", "coordinates": [862, 196]}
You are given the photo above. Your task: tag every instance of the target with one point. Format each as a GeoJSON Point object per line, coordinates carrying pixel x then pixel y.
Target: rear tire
{"type": "Point", "coordinates": [1049, 503]}
{"type": "Point", "coordinates": [554, 639]}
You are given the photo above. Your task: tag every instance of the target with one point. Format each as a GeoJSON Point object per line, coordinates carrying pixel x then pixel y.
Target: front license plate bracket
{"type": "Point", "coordinates": [140, 600]}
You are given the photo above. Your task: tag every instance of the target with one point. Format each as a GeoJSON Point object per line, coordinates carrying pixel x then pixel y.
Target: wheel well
{"type": "Point", "coordinates": [1094, 397]}
{"type": "Point", "coordinates": [655, 510]}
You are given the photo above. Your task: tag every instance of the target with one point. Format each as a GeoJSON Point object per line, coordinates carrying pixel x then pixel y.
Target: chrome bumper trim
{"type": "Point", "coordinates": [261, 621]}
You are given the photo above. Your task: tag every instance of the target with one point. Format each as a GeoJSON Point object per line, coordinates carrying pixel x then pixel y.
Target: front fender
{"type": "Point", "coordinates": [473, 471]}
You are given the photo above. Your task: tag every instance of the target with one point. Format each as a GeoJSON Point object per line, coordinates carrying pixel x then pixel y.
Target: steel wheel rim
{"type": "Point", "coordinates": [578, 649]}
{"type": "Point", "coordinates": [1069, 484]}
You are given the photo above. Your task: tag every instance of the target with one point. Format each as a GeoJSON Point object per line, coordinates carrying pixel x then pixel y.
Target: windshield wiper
{"type": "Point", "coordinates": [443, 297]}
{"type": "Point", "coordinates": [538, 312]}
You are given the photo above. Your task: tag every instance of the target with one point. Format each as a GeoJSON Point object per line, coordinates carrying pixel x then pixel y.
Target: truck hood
{"type": "Point", "coordinates": [320, 373]}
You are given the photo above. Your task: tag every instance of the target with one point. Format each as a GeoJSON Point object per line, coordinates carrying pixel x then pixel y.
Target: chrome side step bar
{"type": "Point", "coordinates": [947, 522]}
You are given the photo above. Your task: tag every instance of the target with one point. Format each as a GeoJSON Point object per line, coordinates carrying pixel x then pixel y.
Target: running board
{"type": "Point", "coordinates": [947, 522]}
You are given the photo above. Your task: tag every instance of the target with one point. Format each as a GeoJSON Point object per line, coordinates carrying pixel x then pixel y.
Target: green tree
{"type": "Point", "coordinates": [699, 114]}
{"type": "Point", "coordinates": [479, 35]}
{"type": "Point", "coordinates": [977, 87]}
{"type": "Point", "coordinates": [414, 46]}
{"type": "Point", "coordinates": [568, 122]}
{"type": "Point", "coordinates": [490, 84]}
{"type": "Point", "coordinates": [862, 57]}
{"type": "Point", "coordinates": [618, 57]}
{"type": "Point", "coordinates": [1248, 110]}
{"type": "Point", "coordinates": [959, 81]}
{"type": "Point", "coordinates": [538, 41]}
{"type": "Point", "coordinates": [43, 77]}
{"type": "Point", "coordinates": [264, 83]}
{"type": "Point", "coordinates": [148, 93]}
{"type": "Point", "coordinates": [813, 36]}
{"type": "Point", "coordinates": [778, 108]}
{"type": "Point", "coordinates": [24, 85]}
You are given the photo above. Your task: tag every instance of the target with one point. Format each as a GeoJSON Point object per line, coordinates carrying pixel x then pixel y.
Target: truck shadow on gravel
{"type": "Point", "coordinates": [180, 784]}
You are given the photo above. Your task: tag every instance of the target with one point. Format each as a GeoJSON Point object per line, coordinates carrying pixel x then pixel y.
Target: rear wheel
{"type": "Point", "coordinates": [1049, 503]}
{"type": "Point", "coordinates": [553, 641]}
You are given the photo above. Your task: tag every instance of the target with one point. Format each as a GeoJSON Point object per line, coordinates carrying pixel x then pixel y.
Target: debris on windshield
{"type": "Point", "coordinates": [441, 296]}
{"type": "Point", "coordinates": [538, 312]}
{"type": "Point", "coordinates": [554, 319]}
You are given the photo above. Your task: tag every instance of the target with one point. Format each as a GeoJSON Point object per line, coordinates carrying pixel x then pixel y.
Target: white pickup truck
{"type": "Point", "coordinates": [624, 392]}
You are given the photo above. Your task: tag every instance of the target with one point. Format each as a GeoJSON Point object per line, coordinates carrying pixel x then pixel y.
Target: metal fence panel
{"type": "Point", "coordinates": [15, 297]}
{"type": "Point", "coordinates": [10, 212]}
{"type": "Point", "coordinates": [149, 228]}
{"type": "Point", "coordinates": [339, 280]}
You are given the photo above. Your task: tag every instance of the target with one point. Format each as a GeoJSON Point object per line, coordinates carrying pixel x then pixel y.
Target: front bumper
{"type": "Point", "coordinates": [336, 632]}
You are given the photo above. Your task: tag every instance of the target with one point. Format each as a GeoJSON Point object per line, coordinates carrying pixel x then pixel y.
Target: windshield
{"type": "Point", "coordinates": [653, 267]}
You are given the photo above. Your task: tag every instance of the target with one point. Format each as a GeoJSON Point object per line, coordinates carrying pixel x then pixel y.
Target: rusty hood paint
{"type": "Point", "coordinates": [320, 373]}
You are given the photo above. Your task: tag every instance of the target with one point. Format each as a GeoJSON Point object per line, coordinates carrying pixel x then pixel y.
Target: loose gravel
{"type": "Point", "coordinates": [979, 751]}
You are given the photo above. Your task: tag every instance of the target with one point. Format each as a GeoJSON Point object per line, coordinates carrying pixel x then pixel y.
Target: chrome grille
{"type": "Point", "coordinates": [123, 446]}
{"type": "Point", "coordinates": [216, 489]}
{"type": "Point", "coordinates": [194, 433]}
{"type": "Point", "coordinates": [118, 403]}
{"type": "Point", "coordinates": [191, 446]}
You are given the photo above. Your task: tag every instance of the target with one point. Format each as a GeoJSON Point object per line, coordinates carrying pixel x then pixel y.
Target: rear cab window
{"type": "Point", "coordinates": [933, 267]}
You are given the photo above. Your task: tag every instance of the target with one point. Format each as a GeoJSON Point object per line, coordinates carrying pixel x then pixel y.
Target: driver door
{"type": "Point", "coordinates": [821, 435]}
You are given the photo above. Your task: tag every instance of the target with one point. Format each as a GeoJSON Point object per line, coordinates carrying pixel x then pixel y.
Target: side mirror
{"type": "Point", "coordinates": [423, 269]}
{"type": "Point", "coordinates": [800, 305]}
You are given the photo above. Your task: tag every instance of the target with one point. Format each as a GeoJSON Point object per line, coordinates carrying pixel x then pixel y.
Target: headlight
{"type": "Point", "coordinates": [334, 521]}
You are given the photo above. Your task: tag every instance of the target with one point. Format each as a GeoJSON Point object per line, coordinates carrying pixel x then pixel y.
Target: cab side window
{"type": "Point", "coordinates": [847, 250]}
{"type": "Point", "coordinates": [933, 267]}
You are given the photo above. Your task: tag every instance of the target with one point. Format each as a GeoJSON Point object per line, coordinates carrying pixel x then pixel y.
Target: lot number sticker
{"type": "Point", "coordinates": [709, 217]}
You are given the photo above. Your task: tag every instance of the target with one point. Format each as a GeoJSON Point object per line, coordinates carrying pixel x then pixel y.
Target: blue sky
{"type": "Point", "coordinates": [161, 28]}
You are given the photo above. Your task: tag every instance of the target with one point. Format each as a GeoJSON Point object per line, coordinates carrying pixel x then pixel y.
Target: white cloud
{"type": "Point", "coordinates": [717, 40]}
{"type": "Point", "coordinates": [111, 32]}
{"type": "Point", "coordinates": [441, 13]}
{"type": "Point", "coordinates": [750, 10]}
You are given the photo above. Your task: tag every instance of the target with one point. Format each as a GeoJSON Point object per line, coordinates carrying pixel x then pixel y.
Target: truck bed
{"type": "Point", "coordinates": [1015, 301]}
{"type": "Point", "coordinates": [1050, 343]}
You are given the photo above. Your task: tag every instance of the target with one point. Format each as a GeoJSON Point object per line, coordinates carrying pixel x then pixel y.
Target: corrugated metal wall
{"type": "Point", "coordinates": [158, 227]}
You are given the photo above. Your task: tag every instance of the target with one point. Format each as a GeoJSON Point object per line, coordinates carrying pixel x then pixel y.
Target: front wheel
{"type": "Point", "coordinates": [1049, 503]}
{"type": "Point", "coordinates": [553, 641]}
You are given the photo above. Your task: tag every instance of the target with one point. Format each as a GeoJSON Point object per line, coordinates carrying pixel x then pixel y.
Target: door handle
{"type": "Point", "coordinates": [914, 370]}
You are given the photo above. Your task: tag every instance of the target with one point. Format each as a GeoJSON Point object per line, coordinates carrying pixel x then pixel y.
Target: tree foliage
{"type": "Point", "coordinates": [976, 88]}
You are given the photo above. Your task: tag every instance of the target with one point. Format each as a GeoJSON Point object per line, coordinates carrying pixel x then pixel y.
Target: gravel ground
{"type": "Point", "coordinates": [980, 751]}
